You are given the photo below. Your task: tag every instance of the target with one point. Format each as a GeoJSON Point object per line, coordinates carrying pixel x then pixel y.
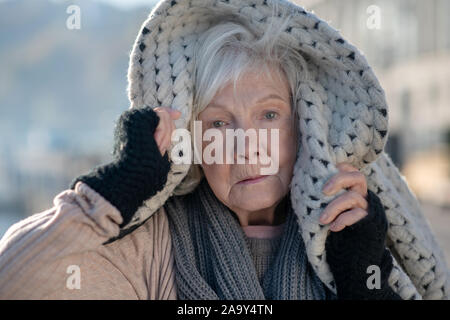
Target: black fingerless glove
{"type": "Point", "coordinates": [138, 171]}
{"type": "Point", "coordinates": [351, 251]}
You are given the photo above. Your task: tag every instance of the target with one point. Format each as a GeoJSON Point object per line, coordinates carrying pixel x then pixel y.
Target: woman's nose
{"type": "Point", "coordinates": [246, 148]}
{"type": "Point", "coordinates": [250, 153]}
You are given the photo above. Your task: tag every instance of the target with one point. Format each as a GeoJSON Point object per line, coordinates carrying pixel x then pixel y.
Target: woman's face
{"type": "Point", "coordinates": [259, 103]}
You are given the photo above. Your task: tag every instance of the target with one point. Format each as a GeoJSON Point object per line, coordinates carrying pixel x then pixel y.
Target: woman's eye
{"type": "Point", "coordinates": [218, 123]}
{"type": "Point", "coordinates": [270, 115]}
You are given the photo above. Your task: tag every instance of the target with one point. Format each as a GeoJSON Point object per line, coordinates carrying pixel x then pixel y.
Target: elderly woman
{"type": "Point", "coordinates": [147, 227]}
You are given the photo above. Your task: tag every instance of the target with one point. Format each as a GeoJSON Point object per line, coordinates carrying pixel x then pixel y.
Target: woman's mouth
{"type": "Point", "coordinates": [252, 180]}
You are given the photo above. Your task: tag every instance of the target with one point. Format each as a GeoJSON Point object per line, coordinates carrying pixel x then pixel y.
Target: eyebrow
{"type": "Point", "coordinates": [268, 97]}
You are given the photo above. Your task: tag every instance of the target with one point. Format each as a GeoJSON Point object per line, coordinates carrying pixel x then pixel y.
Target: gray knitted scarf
{"type": "Point", "coordinates": [213, 260]}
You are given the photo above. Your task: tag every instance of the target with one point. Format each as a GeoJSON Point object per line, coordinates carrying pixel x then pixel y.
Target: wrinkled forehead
{"type": "Point", "coordinates": [252, 88]}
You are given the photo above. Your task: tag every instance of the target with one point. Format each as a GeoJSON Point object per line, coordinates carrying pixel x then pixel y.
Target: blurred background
{"type": "Point", "coordinates": [62, 88]}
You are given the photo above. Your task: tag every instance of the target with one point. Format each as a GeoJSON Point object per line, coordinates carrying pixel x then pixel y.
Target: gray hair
{"type": "Point", "coordinates": [229, 49]}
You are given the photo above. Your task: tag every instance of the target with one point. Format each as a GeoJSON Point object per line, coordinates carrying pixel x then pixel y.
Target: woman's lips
{"type": "Point", "coordinates": [253, 180]}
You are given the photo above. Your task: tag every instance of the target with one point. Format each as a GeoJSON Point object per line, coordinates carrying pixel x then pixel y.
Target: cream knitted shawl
{"type": "Point", "coordinates": [343, 117]}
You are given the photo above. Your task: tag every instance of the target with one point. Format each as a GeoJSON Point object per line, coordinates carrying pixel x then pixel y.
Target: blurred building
{"type": "Point", "coordinates": [410, 54]}
{"type": "Point", "coordinates": [409, 48]}
{"type": "Point", "coordinates": [60, 92]}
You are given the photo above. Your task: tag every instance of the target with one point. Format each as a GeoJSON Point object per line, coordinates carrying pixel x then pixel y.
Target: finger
{"type": "Point", "coordinates": [345, 166]}
{"type": "Point", "coordinates": [164, 115]}
{"type": "Point", "coordinates": [350, 180]}
{"type": "Point", "coordinates": [162, 151]}
{"type": "Point", "coordinates": [159, 109]}
{"type": "Point", "coordinates": [168, 135]}
{"type": "Point", "coordinates": [342, 168]}
{"type": "Point", "coordinates": [159, 132]}
{"type": "Point", "coordinates": [172, 114]}
{"type": "Point", "coordinates": [162, 112]}
{"type": "Point", "coordinates": [158, 143]}
{"type": "Point", "coordinates": [161, 128]}
{"type": "Point", "coordinates": [172, 129]}
{"type": "Point", "coordinates": [348, 200]}
{"type": "Point", "coordinates": [166, 141]}
{"type": "Point", "coordinates": [157, 137]}
{"type": "Point", "coordinates": [360, 188]}
{"type": "Point", "coordinates": [168, 132]}
{"type": "Point", "coordinates": [348, 218]}
{"type": "Point", "coordinates": [175, 114]}
{"type": "Point", "coordinates": [166, 127]}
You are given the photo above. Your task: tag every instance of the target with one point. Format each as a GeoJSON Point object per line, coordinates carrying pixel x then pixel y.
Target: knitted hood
{"type": "Point", "coordinates": [343, 117]}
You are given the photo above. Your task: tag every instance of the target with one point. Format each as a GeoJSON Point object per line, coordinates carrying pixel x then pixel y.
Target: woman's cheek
{"type": "Point", "coordinates": [287, 144]}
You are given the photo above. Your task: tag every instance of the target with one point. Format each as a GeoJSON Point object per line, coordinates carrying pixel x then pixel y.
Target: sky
{"type": "Point", "coordinates": [122, 4]}
{"type": "Point", "coordinates": [125, 4]}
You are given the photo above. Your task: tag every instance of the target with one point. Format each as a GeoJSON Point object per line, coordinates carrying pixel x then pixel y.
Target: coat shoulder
{"type": "Point", "coordinates": [148, 250]}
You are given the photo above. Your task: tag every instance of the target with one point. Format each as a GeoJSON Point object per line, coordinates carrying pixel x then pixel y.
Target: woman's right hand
{"type": "Point", "coordinates": [165, 128]}
{"type": "Point", "coordinates": [141, 165]}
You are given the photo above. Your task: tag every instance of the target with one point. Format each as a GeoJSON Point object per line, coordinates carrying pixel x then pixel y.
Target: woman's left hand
{"type": "Point", "coordinates": [352, 205]}
{"type": "Point", "coordinates": [352, 251]}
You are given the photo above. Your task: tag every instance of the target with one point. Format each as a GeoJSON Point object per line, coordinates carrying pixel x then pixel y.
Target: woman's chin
{"type": "Point", "coordinates": [256, 196]}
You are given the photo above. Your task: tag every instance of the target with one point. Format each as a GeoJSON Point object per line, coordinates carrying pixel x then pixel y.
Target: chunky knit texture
{"type": "Point", "coordinates": [343, 117]}
{"type": "Point", "coordinates": [213, 261]}
{"type": "Point", "coordinates": [351, 251]}
{"type": "Point", "coordinates": [138, 171]}
{"type": "Point", "coordinates": [263, 252]}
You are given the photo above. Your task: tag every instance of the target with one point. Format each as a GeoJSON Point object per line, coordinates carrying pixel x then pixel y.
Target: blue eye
{"type": "Point", "coordinates": [218, 123]}
{"type": "Point", "coordinates": [270, 115]}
